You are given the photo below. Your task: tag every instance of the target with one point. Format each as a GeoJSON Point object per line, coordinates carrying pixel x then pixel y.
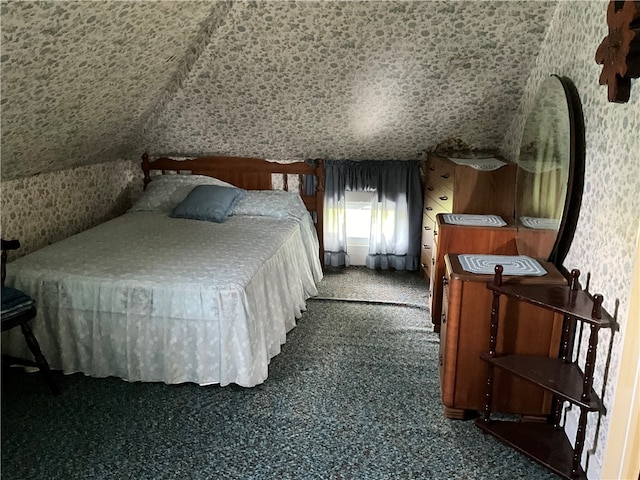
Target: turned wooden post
{"type": "Point", "coordinates": [495, 311]}
{"type": "Point", "coordinates": [493, 340]}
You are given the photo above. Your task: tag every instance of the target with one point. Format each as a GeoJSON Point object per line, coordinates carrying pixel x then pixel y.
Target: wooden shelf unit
{"type": "Point", "coordinates": [547, 443]}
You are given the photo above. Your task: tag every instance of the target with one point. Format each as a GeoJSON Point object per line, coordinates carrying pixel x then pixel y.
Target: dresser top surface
{"type": "Point", "coordinates": [552, 277]}
{"type": "Point", "coordinates": [510, 224]}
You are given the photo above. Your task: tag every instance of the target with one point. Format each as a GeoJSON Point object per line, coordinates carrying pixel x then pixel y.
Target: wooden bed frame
{"type": "Point", "coordinates": [250, 174]}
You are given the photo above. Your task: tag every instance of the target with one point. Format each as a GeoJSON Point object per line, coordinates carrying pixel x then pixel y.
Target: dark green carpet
{"type": "Point", "coordinates": [377, 286]}
{"type": "Point", "coordinates": [353, 395]}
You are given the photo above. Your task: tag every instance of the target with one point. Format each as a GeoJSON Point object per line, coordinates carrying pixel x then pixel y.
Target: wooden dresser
{"type": "Point", "coordinates": [464, 239]}
{"type": "Point", "coordinates": [453, 188]}
{"type": "Point", "coordinates": [463, 337]}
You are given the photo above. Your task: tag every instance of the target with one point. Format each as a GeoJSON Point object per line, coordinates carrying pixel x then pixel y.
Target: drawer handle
{"type": "Point", "coordinates": [443, 318]}
{"type": "Point", "coordinates": [435, 232]}
{"type": "Point", "coordinates": [440, 360]}
{"type": "Point", "coordinates": [433, 261]}
{"type": "Point", "coordinates": [426, 247]}
{"type": "Point", "coordinates": [428, 209]}
{"type": "Point", "coordinates": [445, 176]}
{"type": "Point", "coordinates": [423, 265]}
{"type": "Point", "coordinates": [430, 189]}
{"type": "Point", "coordinates": [443, 198]}
{"type": "Point", "coordinates": [427, 228]}
{"type": "Point", "coordinates": [432, 168]}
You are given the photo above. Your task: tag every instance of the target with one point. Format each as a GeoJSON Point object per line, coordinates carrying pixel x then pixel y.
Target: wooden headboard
{"type": "Point", "coordinates": [250, 174]}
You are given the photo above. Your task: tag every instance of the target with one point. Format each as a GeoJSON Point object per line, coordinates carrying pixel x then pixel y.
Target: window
{"type": "Point", "coordinates": [358, 220]}
{"type": "Point", "coordinates": [359, 215]}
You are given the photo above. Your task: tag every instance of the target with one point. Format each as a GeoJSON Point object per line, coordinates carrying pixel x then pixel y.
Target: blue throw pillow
{"type": "Point", "coordinates": [212, 203]}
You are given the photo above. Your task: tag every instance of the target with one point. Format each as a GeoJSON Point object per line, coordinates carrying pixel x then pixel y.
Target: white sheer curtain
{"type": "Point", "coordinates": [389, 241]}
{"type": "Point", "coordinates": [396, 212]}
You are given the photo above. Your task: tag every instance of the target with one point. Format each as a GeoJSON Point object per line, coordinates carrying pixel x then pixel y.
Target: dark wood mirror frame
{"type": "Point", "coordinates": [575, 182]}
{"type": "Point", "coordinates": [550, 174]}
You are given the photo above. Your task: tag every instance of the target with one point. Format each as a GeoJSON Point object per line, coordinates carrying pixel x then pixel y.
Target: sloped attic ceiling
{"type": "Point", "coordinates": [86, 82]}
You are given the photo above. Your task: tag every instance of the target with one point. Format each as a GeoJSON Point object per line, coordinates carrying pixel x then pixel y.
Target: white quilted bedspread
{"type": "Point", "coordinates": [146, 297]}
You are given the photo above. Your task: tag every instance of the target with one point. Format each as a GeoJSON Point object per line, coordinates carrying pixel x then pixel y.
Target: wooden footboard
{"type": "Point", "coordinates": [250, 174]}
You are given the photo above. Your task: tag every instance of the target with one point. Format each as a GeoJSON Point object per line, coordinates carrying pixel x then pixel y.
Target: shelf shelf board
{"type": "Point", "coordinates": [541, 442]}
{"type": "Point", "coordinates": [563, 379]}
{"type": "Point", "coordinates": [561, 299]}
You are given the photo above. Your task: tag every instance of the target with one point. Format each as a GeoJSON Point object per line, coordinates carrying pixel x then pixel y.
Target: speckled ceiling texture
{"type": "Point", "coordinates": [79, 77]}
{"type": "Point", "coordinates": [85, 82]}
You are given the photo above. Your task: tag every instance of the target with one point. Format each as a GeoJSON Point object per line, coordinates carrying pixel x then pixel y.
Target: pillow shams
{"type": "Point", "coordinates": [271, 203]}
{"type": "Point", "coordinates": [211, 203]}
{"type": "Point", "coordinates": [165, 192]}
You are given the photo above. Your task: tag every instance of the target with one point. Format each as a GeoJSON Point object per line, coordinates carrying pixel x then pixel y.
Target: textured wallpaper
{"type": "Point", "coordinates": [44, 209]}
{"type": "Point", "coordinates": [354, 80]}
{"type": "Point", "coordinates": [86, 82]}
{"type": "Point", "coordinates": [604, 244]}
{"type": "Point", "coordinates": [78, 78]}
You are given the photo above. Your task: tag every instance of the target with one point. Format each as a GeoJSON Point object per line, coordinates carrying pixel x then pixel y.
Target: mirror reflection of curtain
{"type": "Point", "coordinates": [542, 193]}
{"type": "Point", "coordinates": [544, 156]}
{"type": "Point", "coordinates": [396, 211]}
{"type": "Point", "coordinates": [549, 179]}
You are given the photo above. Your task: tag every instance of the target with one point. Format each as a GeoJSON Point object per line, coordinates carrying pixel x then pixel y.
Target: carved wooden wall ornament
{"type": "Point", "coordinates": [619, 52]}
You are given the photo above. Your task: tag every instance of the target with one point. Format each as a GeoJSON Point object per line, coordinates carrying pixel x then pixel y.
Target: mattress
{"type": "Point", "coordinates": [147, 297]}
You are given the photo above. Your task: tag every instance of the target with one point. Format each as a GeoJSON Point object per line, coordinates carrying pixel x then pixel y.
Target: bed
{"type": "Point", "coordinates": [164, 294]}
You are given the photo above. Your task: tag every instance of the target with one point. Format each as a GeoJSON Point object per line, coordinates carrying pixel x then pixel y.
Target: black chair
{"type": "Point", "coordinates": [17, 309]}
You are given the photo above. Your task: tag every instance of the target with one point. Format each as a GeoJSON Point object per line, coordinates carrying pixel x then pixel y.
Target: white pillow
{"type": "Point", "coordinates": [271, 203]}
{"type": "Point", "coordinates": [165, 192]}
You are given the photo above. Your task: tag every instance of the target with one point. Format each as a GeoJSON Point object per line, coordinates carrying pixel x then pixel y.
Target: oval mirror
{"type": "Point", "coordinates": [550, 172]}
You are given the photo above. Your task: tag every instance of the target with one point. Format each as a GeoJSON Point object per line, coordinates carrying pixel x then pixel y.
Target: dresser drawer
{"type": "Point", "coordinates": [440, 172]}
{"type": "Point", "coordinates": [428, 227]}
{"type": "Point", "coordinates": [434, 205]}
{"type": "Point", "coordinates": [426, 245]}
{"type": "Point", "coordinates": [443, 335]}
{"type": "Point", "coordinates": [426, 264]}
{"type": "Point", "coordinates": [436, 276]}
